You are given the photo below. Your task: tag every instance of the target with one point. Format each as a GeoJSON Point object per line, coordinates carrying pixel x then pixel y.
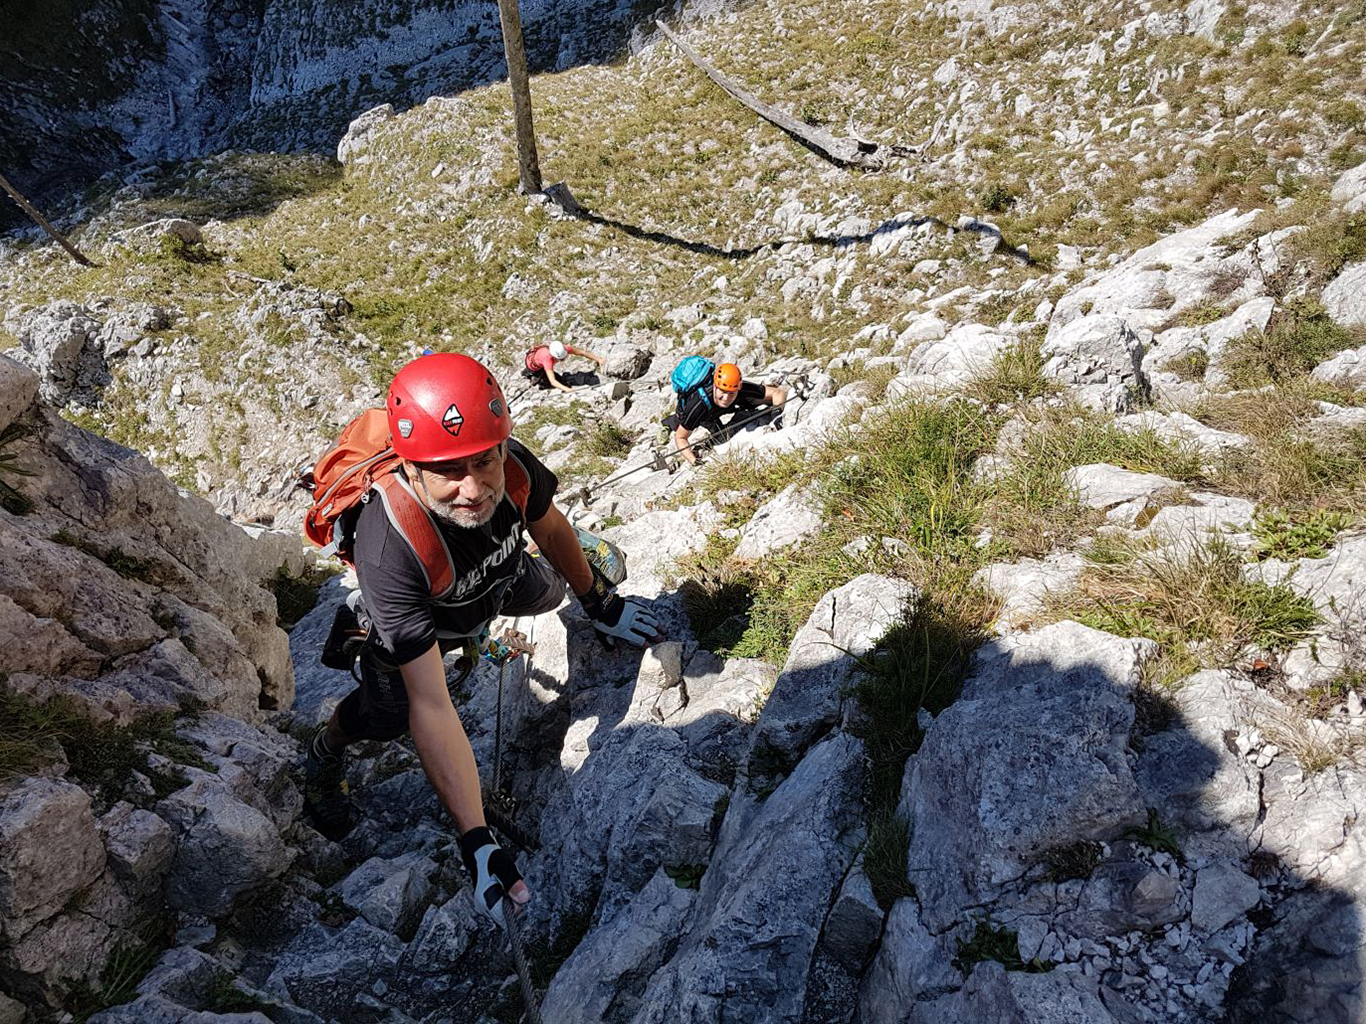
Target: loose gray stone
{"type": "Point", "coordinates": [38, 818]}
{"type": "Point", "coordinates": [228, 848]}
{"type": "Point", "coordinates": [1345, 296]}
{"type": "Point", "coordinates": [1222, 894]}
{"type": "Point", "coordinates": [786, 519]}
{"type": "Point", "coordinates": [18, 388]}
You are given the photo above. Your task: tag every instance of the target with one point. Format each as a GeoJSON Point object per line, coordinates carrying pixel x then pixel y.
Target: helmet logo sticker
{"type": "Point", "coordinates": [452, 421]}
{"type": "Point", "coordinates": [405, 427]}
{"type": "Point", "coordinates": [496, 407]}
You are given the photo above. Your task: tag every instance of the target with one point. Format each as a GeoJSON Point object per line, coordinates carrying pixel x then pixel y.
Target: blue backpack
{"type": "Point", "coordinates": [694, 373]}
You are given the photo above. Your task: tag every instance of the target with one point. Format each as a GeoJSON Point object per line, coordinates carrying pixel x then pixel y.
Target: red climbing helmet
{"type": "Point", "coordinates": [446, 406]}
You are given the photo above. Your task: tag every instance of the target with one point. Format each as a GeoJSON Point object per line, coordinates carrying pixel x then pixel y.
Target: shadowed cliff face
{"type": "Point", "coordinates": [87, 88]}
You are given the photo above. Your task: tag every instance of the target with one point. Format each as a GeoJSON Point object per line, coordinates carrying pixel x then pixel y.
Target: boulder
{"type": "Point", "coordinates": [391, 894]}
{"type": "Point", "coordinates": [352, 147]}
{"type": "Point", "coordinates": [53, 341]}
{"type": "Point", "coordinates": [628, 362]}
{"type": "Point", "coordinates": [911, 966]}
{"type": "Point", "coordinates": [602, 981]}
{"type": "Point", "coordinates": [39, 817]}
{"type": "Point", "coordinates": [1099, 358]}
{"type": "Point", "coordinates": [153, 232]}
{"type": "Point", "coordinates": [1206, 794]}
{"type": "Point", "coordinates": [747, 949]}
{"type": "Point", "coordinates": [1122, 896]}
{"type": "Point", "coordinates": [18, 388]}
{"type": "Point", "coordinates": [1180, 528]}
{"type": "Point", "coordinates": [328, 970]}
{"type": "Point", "coordinates": [1024, 586]}
{"type": "Point", "coordinates": [227, 848]}
{"type": "Point", "coordinates": [785, 520]}
{"type": "Point", "coordinates": [1121, 494]}
{"type": "Point", "coordinates": [140, 845]}
{"type": "Point", "coordinates": [1306, 966]}
{"type": "Point", "coordinates": [1183, 430]}
{"type": "Point", "coordinates": [1044, 716]}
{"type": "Point", "coordinates": [967, 351]}
{"type": "Point", "coordinates": [1174, 273]}
{"type": "Point", "coordinates": [1013, 997]}
{"type": "Point", "coordinates": [1303, 825]}
{"type": "Point", "coordinates": [854, 924]}
{"type": "Point", "coordinates": [1347, 367]}
{"type": "Point", "coordinates": [1345, 296]}
{"type": "Point", "coordinates": [634, 806]}
{"type": "Point", "coordinates": [1223, 894]}
{"type": "Point", "coordinates": [1350, 189]}
{"type": "Point", "coordinates": [810, 694]}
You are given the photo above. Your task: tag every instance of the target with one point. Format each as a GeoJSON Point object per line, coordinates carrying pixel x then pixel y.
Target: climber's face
{"type": "Point", "coordinates": [464, 492]}
{"type": "Point", "coordinates": [725, 399]}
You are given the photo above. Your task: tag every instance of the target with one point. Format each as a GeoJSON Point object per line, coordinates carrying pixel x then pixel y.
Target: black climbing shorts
{"type": "Point", "coordinates": [378, 708]}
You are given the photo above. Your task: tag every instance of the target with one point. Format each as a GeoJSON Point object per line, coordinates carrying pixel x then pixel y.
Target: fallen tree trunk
{"type": "Point", "coordinates": [868, 156]}
{"type": "Point", "coordinates": [42, 222]}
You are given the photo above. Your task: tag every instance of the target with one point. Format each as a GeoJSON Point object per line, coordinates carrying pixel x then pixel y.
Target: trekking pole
{"type": "Point", "coordinates": [533, 1008]}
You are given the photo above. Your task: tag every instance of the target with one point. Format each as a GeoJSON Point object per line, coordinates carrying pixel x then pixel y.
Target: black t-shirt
{"type": "Point", "coordinates": [406, 618]}
{"type": "Point", "coordinates": [694, 411]}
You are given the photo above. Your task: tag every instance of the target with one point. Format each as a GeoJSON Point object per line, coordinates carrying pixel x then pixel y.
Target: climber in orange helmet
{"type": "Point", "coordinates": [727, 391]}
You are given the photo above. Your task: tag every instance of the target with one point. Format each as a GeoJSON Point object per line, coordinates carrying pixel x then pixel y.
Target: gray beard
{"type": "Point", "coordinates": [456, 515]}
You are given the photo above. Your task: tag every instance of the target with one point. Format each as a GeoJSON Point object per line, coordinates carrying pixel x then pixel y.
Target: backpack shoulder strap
{"type": "Point", "coordinates": [409, 517]}
{"type": "Point", "coordinates": [518, 482]}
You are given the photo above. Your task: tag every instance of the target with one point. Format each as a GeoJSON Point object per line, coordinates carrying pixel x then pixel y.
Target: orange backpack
{"type": "Point", "coordinates": [363, 461]}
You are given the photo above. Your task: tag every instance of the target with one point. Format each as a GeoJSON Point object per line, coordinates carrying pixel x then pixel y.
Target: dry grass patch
{"type": "Point", "coordinates": [1191, 598]}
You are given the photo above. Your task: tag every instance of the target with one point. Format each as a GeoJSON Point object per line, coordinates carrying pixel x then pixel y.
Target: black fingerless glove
{"type": "Point", "coordinates": [491, 870]}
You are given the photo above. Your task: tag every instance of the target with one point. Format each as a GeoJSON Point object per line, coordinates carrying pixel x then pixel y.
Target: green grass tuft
{"type": "Point", "coordinates": [1290, 535]}
{"type": "Point", "coordinates": [989, 942]}
{"type": "Point", "coordinates": [99, 754]}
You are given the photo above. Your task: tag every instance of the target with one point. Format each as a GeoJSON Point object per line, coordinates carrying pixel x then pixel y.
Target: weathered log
{"type": "Point", "coordinates": [869, 156]}
{"type": "Point", "coordinates": [42, 222]}
{"type": "Point", "coordinates": [528, 165]}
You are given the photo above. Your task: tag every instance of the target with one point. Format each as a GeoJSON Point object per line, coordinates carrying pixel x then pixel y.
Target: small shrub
{"type": "Point", "coordinates": [1155, 836]}
{"type": "Point", "coordinates": [1297, 340]}
{"type": "Point", "coordinates": [226, 997]}
{"type": "Point", "coordinates": [1016, 375]}
{"type": "Point", "coordinates": [1344, 114]}
{"type": "Point", "coordinates": [687, 876]}
{"type": "Point", "coordinates": [608, 439]}
{"type": "Point", "coordinates": [919, 665]}
{"type": "Point", "coordinates": [100, 754]}
{"type": "Point", "coordinates": [992, 943]}
{"type": "Point", "coordinates": [174, 249]}
{"type": "Point", "coordinates": [12, 500]}
{"type": "Point", "coordinates": [995, 198]}
{"type": "Point", "coordinates": [1075, 860]}
{"type": "Point", "coordinates": [1287, 535]}
{"type": "Point", "coordinates": [1191, 366]}
{"type": "Point", "coordinates": [127, 965]}
{"type": "Point", "coordinates": [1189, 597]}
{"type": "Point", "coordinates": [295, 596]}
{"type": "Point", "coordinates": [1199, 315]}
{"type": "Point", "coordinates": [885, 858]}
{"type": "Point", "coordinates": [130, 567]}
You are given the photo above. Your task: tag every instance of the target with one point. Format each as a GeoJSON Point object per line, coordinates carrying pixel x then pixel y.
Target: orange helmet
{"type": "Point", "coordinates": [727, 378]}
